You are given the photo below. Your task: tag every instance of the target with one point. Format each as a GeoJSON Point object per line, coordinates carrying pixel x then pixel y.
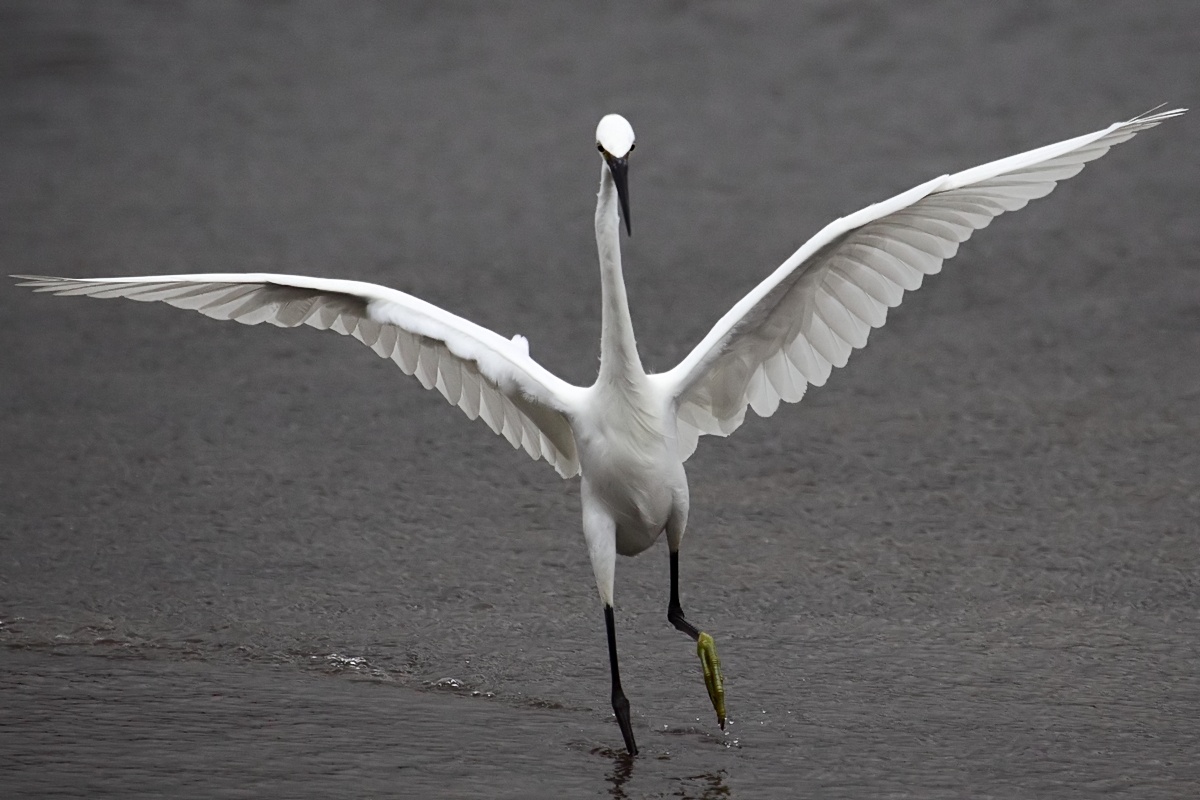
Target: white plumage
{"type": "Point", "coordinates": [629, 433]}
{"type": "Point", "coordinates": [487, 376]}
{"type": "Point", "coordinates": [820, 304]}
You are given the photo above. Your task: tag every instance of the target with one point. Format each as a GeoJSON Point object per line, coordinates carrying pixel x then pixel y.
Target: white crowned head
{"type": "Point", "coordinates": [614, 136]}
{"type": "Point", "coordinates": [614, 140]}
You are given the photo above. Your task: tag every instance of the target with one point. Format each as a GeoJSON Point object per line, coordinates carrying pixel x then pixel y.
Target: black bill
{"type": "Point", "coordinates": [619, 167]}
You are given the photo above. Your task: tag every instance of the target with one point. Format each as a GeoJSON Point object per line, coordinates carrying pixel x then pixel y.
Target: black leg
{"type": "Point", "coordinates": [619, 703]}
{"type": "Point", "coordinates": [705, 648]}
{"type": "Point", "coordinates": [674, 609]}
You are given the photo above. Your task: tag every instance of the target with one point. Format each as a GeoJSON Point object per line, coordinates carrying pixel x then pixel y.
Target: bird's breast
{"type": "Point", "coordinates": [632, 470]}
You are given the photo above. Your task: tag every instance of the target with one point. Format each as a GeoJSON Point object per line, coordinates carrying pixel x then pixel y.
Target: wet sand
{"type": "Point", "coordinates": [250, 562]}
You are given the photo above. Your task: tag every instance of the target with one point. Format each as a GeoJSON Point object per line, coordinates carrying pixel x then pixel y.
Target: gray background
{"type": "Point", "coordinates": [237, 562]}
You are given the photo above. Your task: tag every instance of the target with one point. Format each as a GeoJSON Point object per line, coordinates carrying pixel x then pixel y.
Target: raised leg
{"type": "Point", "coordinates": [705, 647]}
{"type": "Point", "coordinates": [619, 703]}
{"type": "Point", "coordinates": [674, 609]}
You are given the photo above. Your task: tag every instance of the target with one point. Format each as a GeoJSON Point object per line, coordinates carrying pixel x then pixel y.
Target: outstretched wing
{"type": "Point", "coordinates": [487, 376]}
{"type": "Point", "coordinates": [808, 315]}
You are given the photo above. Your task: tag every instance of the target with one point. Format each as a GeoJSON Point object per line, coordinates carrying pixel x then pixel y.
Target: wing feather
{"type": "Point", "coordinates": [809, 315]}
{"type": "Point", "coordinates": [475, 369]}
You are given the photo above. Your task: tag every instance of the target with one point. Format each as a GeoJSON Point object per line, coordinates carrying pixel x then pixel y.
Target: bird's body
{"type": "Point", "coordinates": [631, 473]}
{"type": "Point", "coordinates": [628, 435]}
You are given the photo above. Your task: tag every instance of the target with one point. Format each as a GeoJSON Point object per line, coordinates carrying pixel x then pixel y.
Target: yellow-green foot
{"type": "Point", "coordinates": [707, 650]}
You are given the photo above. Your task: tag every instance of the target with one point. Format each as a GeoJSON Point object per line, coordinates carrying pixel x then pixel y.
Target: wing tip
{"type": "Point", "coordinates": [1154, 117]}
{"type": "Point", "coordinates": [43, 283]}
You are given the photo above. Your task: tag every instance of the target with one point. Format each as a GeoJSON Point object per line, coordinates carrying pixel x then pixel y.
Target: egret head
{"type": "Point", "coordinates": [615, 141]}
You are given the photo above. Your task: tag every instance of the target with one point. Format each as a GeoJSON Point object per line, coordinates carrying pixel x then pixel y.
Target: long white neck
{"type": "Point", "coordinates": [619, 361]}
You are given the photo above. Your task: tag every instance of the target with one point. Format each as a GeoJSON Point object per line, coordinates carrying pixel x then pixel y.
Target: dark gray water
{"type": "Point", "coordinates": [253, 563]}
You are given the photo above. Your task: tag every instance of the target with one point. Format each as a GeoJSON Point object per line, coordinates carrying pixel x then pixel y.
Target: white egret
{"type": "Point", "coordinates": [628, 434]}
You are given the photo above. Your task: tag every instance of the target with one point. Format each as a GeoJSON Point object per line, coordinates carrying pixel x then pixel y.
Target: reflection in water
{"type": "Point", "coordinates": [713, 786]}
{"type": "Point", "coordinates": [621, 773]}
{"type": "Point", "coordinates": [707, 786]}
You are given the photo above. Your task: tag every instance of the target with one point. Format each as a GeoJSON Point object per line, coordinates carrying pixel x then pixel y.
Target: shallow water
{"type": "Point", "coordinates": [262, 563]}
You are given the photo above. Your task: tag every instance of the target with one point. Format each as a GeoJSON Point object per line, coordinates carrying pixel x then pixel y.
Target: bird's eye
{"type": "Point", "coordinates": [632, 147]}
{"type": "Point", "coordinates": [600, 147]}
